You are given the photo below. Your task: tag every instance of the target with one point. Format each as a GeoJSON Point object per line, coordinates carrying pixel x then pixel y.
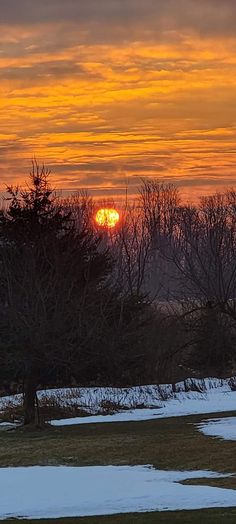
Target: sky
{"type": "Point", "coordinates": [106, 92]}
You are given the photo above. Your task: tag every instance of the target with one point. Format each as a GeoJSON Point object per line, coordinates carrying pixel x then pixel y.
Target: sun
{"type": "Point", "coordinates": [107, 217]}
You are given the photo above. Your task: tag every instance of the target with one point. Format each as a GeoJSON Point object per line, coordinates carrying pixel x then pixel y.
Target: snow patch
{"type": "Point", "coordinates": [212, 402]}
{"type": "Point", "coordinates": [147, 396]}
{"type": "Point", "coordinates": [51, 492]}
{"type": "Point", "coordinates": [189, 397]}
{"type": "Point", "coordinates": [224, 428]}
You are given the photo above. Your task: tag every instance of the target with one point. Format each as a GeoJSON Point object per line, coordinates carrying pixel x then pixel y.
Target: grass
{"type": "Point", "coordinates": [212, 516]}
{"type": "Point", "coordinates": [225, 482]}
{"type": "Point", "coordinates": [173, 444]}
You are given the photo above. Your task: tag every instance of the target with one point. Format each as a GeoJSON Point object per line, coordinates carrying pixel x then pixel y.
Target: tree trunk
{"type": "Point", "coordinates": [29, 405]}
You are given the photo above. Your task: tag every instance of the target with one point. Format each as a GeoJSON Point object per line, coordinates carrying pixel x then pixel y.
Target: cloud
{"type": "Point", "coordinates": [101, 90]}
{"type": "Point", "coordinates": [125, 17]}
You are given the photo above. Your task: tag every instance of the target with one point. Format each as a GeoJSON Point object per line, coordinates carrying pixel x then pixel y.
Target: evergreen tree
{"type": "Point", "coordinates": [51, 274]}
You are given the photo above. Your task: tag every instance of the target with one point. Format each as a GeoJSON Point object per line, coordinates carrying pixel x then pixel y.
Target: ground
{"type": "Point", "coordinates": [222, 516]}
{"type": "Point", "coordinates": [171, 443]}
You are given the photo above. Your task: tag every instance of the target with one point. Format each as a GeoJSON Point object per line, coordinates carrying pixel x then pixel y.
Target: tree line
{"type": "Point", "coordinates": [149, 301]}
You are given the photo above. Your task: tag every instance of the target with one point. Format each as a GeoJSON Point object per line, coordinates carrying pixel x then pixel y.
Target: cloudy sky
{"type": "Point", "coordinates": [108, 91]}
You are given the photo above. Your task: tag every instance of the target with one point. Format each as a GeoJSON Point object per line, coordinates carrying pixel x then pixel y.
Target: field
{"type": "Point", "coordinates": [169, 444]}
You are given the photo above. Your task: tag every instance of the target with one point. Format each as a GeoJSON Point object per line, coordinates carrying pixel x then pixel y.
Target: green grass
{"type": "Point", "coordinates": [173, 444]}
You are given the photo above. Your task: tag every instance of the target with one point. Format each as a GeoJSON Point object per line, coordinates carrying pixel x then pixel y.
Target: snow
{"type": "Point", "coordinates": [147, 396]}
{"type": "Point", "coordinates": [189, 397]}
{"type": "Point", "coordinates": [213, 401]}
{"type": "Point", "coordinates": [8, 424]}
{"type": "Point", "coordinates": [224, 428]}
{"type": "Point", "coordinates": [124, 416]}
{"type": "Point", "coordinates": [51, 492]}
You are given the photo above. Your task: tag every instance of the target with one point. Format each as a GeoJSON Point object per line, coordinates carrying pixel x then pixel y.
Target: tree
{"type": "Point", "coordinates": [159, 203]}
{"type": "Point", "coordinates": [203, 249]}
{"type": "Point", "coordinates": [214, 347]}
{"type": "Point", "coordinates": [130, 245]}
{"type": "Point", "coordinates": [120, 355]}
{"type": "Point", "coordinates": [50, 276]}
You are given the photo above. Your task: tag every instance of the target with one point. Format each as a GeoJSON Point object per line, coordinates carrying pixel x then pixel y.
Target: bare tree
{"type": "Point", "coordinates": [131, 249]}
{"type": "Point", "coordinates": [81, 207]}
{"type": "Point", "coordinates": [159, 204]}
{"type": "Point", "coordinates": [204, 251]}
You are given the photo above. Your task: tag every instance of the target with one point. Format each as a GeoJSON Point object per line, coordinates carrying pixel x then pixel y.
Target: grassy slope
{"type": "Point", "coordinates": [167, 444]}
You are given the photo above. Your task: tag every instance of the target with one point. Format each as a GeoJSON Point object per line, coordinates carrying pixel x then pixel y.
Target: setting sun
{"type": "Point", "coordinates": [107, 217]}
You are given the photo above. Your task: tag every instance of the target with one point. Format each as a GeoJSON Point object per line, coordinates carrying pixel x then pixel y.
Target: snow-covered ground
{"type": "Point", "coordinates": [212, 402]}
{"type": "Point", "coordinates": [51, 492]}
{"type": "Point", "coordinates": [192, 396]}
{"type": "Point", "coordinates": [147, 396]}
{"type": "Point", "coordinates": [224, 428]}
{"type": "Point", "coordinates": [206, 396]}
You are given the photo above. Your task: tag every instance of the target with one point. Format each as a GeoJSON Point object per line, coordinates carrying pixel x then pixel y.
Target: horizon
{"type": "Point", "coordinates": [110, 196]}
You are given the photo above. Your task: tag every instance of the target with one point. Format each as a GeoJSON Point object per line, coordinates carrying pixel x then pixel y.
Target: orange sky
{"type": "Point", "coordinates": [108, 91]}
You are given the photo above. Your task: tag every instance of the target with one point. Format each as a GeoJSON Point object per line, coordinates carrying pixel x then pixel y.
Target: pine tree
{"type": "Point", "coordinates": [51, 274]}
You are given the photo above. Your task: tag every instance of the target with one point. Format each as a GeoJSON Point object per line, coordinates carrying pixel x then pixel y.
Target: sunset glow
{"type": "Point", "coordinates": [107, 217]}
{"type": "Point", "coordinates": [109, 91]}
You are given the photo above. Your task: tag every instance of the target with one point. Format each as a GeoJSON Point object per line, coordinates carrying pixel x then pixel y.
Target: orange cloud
{"type": "Point", "coordinates": [141, 100]}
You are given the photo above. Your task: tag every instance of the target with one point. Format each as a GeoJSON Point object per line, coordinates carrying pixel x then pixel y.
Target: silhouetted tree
{"type": "Point", "coordinates": [51, 274]}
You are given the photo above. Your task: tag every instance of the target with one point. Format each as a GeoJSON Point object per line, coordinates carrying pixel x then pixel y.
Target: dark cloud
{"type": "Point", "coordinates": [110, 18]}
{"type": "Point", "coordinates": [45, 70]}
